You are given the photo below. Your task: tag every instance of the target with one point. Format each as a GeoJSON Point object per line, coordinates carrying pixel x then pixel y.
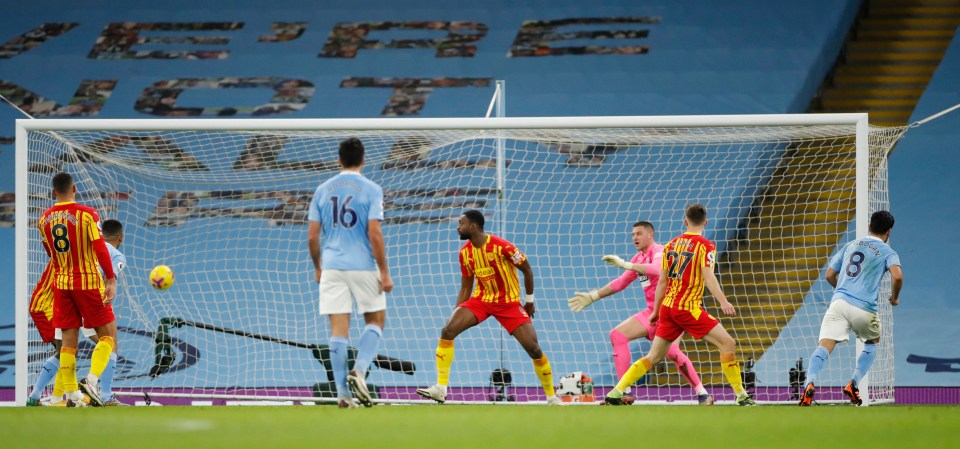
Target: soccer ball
{"type": "Point", "coordinates": [161, 278]}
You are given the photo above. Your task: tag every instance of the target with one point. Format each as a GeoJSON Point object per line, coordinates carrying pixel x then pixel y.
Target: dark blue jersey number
{"type": "Point", "coordinates": [343, 215]}
{"type": "Point", "coordinates": [854, 267]}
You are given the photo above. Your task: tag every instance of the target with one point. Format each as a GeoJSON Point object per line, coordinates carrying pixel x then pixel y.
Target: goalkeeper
{"type": "Point", "coordinates": [643, 267]}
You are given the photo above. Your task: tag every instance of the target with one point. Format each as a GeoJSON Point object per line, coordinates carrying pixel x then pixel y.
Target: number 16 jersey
{"type": "Point", "coordinates": [343, 206]}
{"type": "Point", "coordinates": [861, 265]}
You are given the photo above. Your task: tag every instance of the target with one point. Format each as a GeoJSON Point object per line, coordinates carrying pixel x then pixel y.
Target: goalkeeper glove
{"type": "Point", "coordinates": [581, 300]}
{"type": "Point", "coordinates": [617, 262]}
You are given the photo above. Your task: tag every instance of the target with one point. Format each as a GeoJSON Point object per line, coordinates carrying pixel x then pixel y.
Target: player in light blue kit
{"type": "Point", "coordinates": [348, 209]}
{"type": "Point", "coordinates": [855, 272]}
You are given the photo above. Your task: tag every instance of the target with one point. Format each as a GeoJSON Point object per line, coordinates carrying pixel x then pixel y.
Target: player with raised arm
{"type": "Point", "coordinates": [645, 268]}
{"type": "Point", "coordinates": [687, 265]}
{"type": "Point", "coordinates": [71, 237]}
{"type": "Point", "coordinates": [348, 210]}
{"type": "Point", "coordinates": [493, 263]}
{"type": "Point", "coordinates": [856, 272]}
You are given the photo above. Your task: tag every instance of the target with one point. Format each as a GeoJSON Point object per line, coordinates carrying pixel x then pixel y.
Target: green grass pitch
{"type": "Point", "coordinates": [486, 426]}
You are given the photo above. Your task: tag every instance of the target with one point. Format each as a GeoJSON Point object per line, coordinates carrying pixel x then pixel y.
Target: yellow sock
{"type": "Point", "coordinates": [101, 356]}
{"type": "Point", "coordinates": [731, 370]}
{"type": "Point", "coordinates": [444, 360]}
{"type": "Point", "coordinates": [58, 386]}
{"type": "Point", "coordinates": [636, 371]}
{"type": "Point", "coordinates": [542, 367]}
{"type": "Point", "coordinates": [68, 369]}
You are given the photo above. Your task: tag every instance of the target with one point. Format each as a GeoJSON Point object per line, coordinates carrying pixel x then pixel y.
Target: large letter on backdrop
{"type": "Point", "coordinates": [348, 38]}
{"type": "Point", "coordinates": [87, 101]}
{"type": "Point", "coordinates": [289, 95]}
{"type": "Point", "coordinates": [410, 94]}
{"type": "Point", "coordinates": [118, 38]}
{"type": "Point", "coordinates": [34, 38]}
{"type": "Point", "coordinates": [535, 36]}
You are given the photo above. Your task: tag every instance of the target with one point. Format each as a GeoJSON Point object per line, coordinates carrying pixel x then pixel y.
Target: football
{"type": "Point", "coordinates": [161, 278]}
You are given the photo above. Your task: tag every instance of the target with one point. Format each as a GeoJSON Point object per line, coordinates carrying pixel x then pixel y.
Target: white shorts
{"type": "Point", "coordinates": [87, 332]}
{"type": "Point", "coordinates": [842, 316]}
{"type": "Point", "coordinates": [339, 289]}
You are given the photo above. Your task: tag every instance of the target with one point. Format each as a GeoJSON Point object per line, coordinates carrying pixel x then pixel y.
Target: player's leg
{"type": "Point", "coordinates": [689, 373]}
{"type": "Point", "coordinates": [51, 366]}
{"type": "Point", "coordinates": [866, 325]}
{"type": "Point", "coordinates": [67, 318]}
{"type": "Point", "coordinates": [630, 329]}
{"type": "Point", "coordinates": [101, 319]}
{"type": "Point", "coordinates": [336, 302]}
{"type": "Point", "coordinates": [105, 378]}
{"type": "Point", "coordinates": [719, 337]}
{"type": "Point", "coordinates": [834, 328]}
{"type": "Point", "coordinates": [469, 314]}
{"type": "Point", "coordinates": [658, 350]}
{"type": "Point", "coordinates": [526, 335]}
{"type": "Point", "coordinates": [372, 303]}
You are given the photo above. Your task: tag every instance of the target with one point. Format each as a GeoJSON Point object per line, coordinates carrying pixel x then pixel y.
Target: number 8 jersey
{"type": "Point", "coordinates": [344, 205]}
{"type": "Point", "coordinates": [71, 236]}
{"type": "Point", "coordinates": [861, 265]}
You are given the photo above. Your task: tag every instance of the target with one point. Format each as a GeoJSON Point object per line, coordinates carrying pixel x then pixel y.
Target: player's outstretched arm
{"type": "Point", "coordinates": [896, 283]}
{"type": "Point", "coordinates": [581, 300]}
{"type": "Point", "coordinates": [710, 279]}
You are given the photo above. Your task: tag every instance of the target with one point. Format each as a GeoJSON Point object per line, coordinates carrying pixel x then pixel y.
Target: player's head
{"type": "Point", "coordinates": [63, 185]}
{"type": "Point", "coordinates": [696, 215]}
{"type": "Point", "coordinates": [351, 153]}
{"type": "Point", "coordinates": [112, 231]}
{"type": "Point", "coordinates": [881, 222]}
{"type": "Point", "coordinates": [471, 223]}
{"type": "Point", "coordinates": [642, 235]}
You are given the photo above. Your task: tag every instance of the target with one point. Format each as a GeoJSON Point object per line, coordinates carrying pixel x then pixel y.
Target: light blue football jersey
{"type": "Point", "coordinates": [344, 205]}
{"type": "Point", "coordinates": [118, 260]}
{"type": "Point", "coordinates": [861, 265]}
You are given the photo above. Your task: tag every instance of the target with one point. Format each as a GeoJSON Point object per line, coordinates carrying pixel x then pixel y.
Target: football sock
{"type": "Point", "coordinates": [542, 367]}
{"type": "Point", "coordinates": [106, 382]}
{"type": "Point", "coordinates": [68, 368]}
{"type": "Point", "coordinates": [369, 343]}
{"type": "Point", "coordinates": [338, 358]}
{"type": "Point", "coordinates": [817, 359]}
{"type": "Point", "coordinates": [101, 356]}
{"type": "Point", "coordinates": [48, 371]}
{"type": "Point", "coordinates": [731, 370]}
{"type": "Point", "coordinates": [636, 371]}
{"type": "Point", "coordinates": [685, 367]}
{"type": "Point", "coordinates": [864, 360]}
{"type": "Point", "coordinates": [444, 360]}
{"type": "Point", "coordinates": [621, 352]}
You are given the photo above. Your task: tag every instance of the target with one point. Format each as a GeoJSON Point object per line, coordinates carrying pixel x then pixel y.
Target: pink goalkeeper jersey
{"type": "Point", "coordinates": [653, 255]}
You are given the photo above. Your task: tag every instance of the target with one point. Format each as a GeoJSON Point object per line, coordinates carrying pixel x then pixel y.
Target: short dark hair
{"type": "Point", "coordinates": [111, 228]}
{"type": "Point", "coordinates": [644, 224]}
{"type": "Point", "coordinates": [62, 182]}
{"type": "Point", "coordinates": [351, 152]}
{"type": "Point", "coordinates": [696, 214]}
{"type": "Point", "coordinates": [474, 216]}
{"type": "Point", "coordinates": [881, 221]}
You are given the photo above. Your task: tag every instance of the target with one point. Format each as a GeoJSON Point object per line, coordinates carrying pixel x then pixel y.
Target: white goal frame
{"type": "Point", "coordinates": [23, 126]}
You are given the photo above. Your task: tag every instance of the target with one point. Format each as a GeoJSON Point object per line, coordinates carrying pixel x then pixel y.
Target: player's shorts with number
{"type": "Point", "coordinates": [673, 323]}
{"type": "Point", "coordinates": [340, 288]}
{"type": "Point", "coordinates": [841, 317]}
{"type": "Point", "coordinates": [73, 309]}
{"type": "Point", "coordinates": [511, 315]}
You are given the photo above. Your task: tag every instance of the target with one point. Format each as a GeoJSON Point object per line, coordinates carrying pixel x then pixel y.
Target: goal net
{"type": "Point", "coordinates": [224, 204]}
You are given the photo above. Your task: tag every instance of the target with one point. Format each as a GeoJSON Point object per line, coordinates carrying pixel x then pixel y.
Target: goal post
{"type": "Point", "coordinates": [223, 203]}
